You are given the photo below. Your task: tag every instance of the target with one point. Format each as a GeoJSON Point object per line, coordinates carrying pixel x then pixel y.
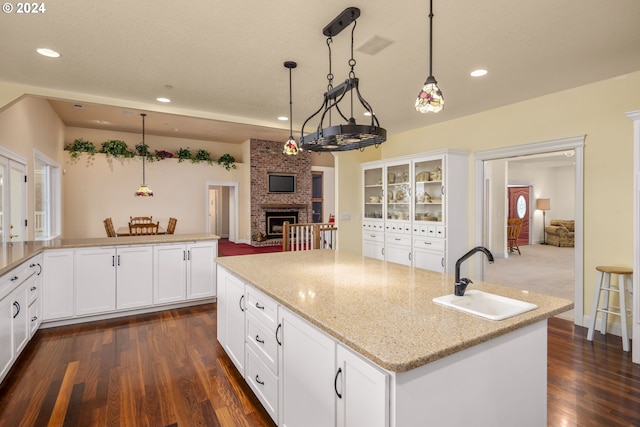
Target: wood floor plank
{"type": "Point", "coordinates": [168, 369]}
{"type": "Point", "coordinates": [64, 395]}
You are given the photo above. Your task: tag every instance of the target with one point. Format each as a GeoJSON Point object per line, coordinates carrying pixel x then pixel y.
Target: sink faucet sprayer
{"type": "Point", "coordinates": [461, 284]}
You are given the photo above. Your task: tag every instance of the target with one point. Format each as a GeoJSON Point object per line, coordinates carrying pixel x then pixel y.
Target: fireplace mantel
{"type": "Point", "coordinates": [283, 206]}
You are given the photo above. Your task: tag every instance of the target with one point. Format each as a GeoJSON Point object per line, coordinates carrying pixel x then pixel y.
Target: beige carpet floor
{"type": "Point", "coordinates": [544, 269]}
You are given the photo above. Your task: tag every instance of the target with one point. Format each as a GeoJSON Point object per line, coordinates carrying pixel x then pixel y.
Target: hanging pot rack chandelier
{"type": "Point", "coordinates": [348, 136]}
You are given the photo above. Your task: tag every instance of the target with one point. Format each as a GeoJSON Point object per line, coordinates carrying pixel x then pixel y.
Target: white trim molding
{"type": "Point", "coordinates": [575, 143]}
{"type": "Point", "coordinates": [635, 341]}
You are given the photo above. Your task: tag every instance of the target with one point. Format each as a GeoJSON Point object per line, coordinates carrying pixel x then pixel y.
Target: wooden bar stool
{"type": "Point", "coordinates": [603, 285]}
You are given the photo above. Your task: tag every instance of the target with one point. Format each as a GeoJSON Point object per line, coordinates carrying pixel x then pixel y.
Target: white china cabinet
{"type": "Point", "coordinates": [415, 209]}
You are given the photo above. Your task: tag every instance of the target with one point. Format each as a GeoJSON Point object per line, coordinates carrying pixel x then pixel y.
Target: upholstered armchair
{"type": "Point", "coordinates": [560, 232]}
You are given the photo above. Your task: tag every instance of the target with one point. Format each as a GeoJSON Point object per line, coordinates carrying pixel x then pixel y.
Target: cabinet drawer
{"type": "Point", "coordinates": [35, 317]}
{"type": "Point", "coordinates": [263, 382]}
{"type": "Point", "coordinates": [263, 341]}
{"type": "Point", "coordinates": [13, 278]}
{"type": "Point", "coordinates": [262, 307]}
{"type": "Point", "coordinates": [429, 243]}
{"type": "Point", "coordinates": [33, 290]}
{"type": "Point", "coordinates": [373, 236]}
{"type": "Point", "coordinates": [399, 239]}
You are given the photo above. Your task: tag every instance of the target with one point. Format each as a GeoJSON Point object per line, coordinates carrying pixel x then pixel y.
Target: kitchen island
{"type": "Point", "coordinates": [436, 365]}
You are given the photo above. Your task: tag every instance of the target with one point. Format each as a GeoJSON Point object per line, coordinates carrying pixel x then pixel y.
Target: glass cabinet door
{"type": "Point", "coordinates": [373, 194]}
{"type": "Point", "coordinates": [398, 194]}
{"type": "Point", "coordinates": [429, 192]}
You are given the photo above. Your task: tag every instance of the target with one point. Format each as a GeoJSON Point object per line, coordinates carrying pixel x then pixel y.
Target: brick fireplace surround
{"type": "Point", "coordinates": [267, 157]}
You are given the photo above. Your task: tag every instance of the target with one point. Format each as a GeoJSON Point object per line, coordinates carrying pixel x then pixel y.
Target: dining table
{"type": "Point", "coordinates": [124, 231]}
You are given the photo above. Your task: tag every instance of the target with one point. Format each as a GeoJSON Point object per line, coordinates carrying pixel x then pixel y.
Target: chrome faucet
{"type": "Point", "coordinates": [461, 284]}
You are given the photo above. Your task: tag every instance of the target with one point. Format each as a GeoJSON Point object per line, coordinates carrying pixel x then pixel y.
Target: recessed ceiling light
{"type": "Point", "coordinates": [161, 99]}
{"type": "Point", "coordinates": [48, 52]}
{"type": "Point", "coordinates": [478, 73]}
{"type": "Point", "coordinates": [283, 118]}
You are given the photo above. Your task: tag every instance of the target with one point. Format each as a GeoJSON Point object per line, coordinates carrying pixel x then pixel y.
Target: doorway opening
{"type": "Point", "coordinates": [222, 208]}
{"type": "Point", "coordinates": [491, 202]}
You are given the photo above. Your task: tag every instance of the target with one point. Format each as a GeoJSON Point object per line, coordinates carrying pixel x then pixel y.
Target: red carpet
{"type": "Point", "coordinates": [227, 248]}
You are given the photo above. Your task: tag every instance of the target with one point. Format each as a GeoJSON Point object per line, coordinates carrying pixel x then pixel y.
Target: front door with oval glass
{"type": "Point", "coordinates": [519, 208]}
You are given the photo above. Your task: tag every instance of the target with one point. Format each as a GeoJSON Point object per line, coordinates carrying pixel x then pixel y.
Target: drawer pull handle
{"type": "Point", "coordinates": [277, 329]}
{"type": "Point", "coordinates": [240, 303]}
{"type": "Point", "coordinates": [427, 243]}
{"type": "Point", "coordinates": [34, 318]}
{"type": "Point", "coordinates": [14, 278]}
{"type": "Point", "coordinates": [397, 238]}
{"type": "Point", "coordinates": [16, 304]}
{"type": "Point", "coordinates": [259, 340]}
{"type": "Point", "coordinates": [259, 307]}
{"type": "Point", "coordinates": [258, 380]}
{"type": "Point", "coordinates": [33, 288]}
{"type": "Point", "coordinates": [40, 269]}
{"type": "Point", "coordinates": [335, 383]}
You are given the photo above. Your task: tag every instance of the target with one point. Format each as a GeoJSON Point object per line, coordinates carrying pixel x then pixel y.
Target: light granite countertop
{"type": "Point", "coordinates": [14, 253]}
{"type": "Point", "coordinates": [382, 310]}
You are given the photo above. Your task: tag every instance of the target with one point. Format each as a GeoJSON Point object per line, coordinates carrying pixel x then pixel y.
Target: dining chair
{"type": "Point", "coordinates": [514, 226]}
{"type": "Point", "coordinates": [171, 227]}
{"type": "Point", "coordinates": [108, 226]}
{"type": "Point", "coordinates": [141, 219]}
{"type": "Point", "coordinates": [143, 229]}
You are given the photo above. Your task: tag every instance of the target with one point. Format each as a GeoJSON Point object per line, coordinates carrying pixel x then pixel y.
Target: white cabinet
{"type": "Point", "coordinates": [428, 253]}
{"type": "Point", "coordinates": [6, 335]}
{"type": "Point", "coordinates": [307, 376]}
{"type": "Point", "coordinates": [184, 271]}
{"type": "Point", "coordinates": [230, 317]}
{"type": "Point", "coordinates": [134, 277]}
{"type": "Point", "coordinates": [15, 288]}
{"type": "Point", "coordinates": [169, 273]}
{"type": "Point", "coordinates": [201, 269]}
{"type": "Point", "coordinates": [57, 287]}
{"type": "Point", "coordinates": [34, 295]}
{"type": "Point", "coordinates": [362, 392]}
{"type": "Point", "coordinates": [421, 196]}
{"type": "Point", "coordinates": [95, 281]}
{"type": "Point", "coordinates": [398, 248]}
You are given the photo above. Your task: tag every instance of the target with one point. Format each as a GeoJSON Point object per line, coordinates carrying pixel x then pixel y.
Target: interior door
{"type": "Point", "coordinates": [13, 200]}
{"type": "Point", "coordinates": [17, 202]}
{"type": "Point", "coordinates": [519, 208]}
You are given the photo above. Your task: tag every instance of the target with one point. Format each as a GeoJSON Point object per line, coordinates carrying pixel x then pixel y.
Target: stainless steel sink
{"type": "Point", "coordinates": [484, 304]}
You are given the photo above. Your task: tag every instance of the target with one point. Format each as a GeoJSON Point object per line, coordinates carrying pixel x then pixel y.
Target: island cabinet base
{"type": "Point", "coordinates": [501, 382]}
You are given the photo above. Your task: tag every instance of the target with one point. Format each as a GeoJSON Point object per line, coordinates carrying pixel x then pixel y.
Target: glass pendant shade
{"type": "Point", "coordinates": [144, 191]}
{"type": "Point", "coordinates": [430, 99]}
{"type": "Point", "coordinates": [291, 147]}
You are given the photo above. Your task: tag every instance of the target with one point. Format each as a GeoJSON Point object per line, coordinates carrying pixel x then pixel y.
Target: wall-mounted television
{"type": "Point", "coordinates": [282, 183]}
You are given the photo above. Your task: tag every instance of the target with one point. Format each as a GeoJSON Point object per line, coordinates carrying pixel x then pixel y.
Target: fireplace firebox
{"type": "Point", "coordinates": [274, 222]}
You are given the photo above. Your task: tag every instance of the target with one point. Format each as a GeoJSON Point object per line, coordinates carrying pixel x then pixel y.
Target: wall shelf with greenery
{"type": "Point", "coordinates": [118, 148]}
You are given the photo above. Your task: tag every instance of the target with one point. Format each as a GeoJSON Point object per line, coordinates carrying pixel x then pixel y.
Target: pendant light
{"type": "Point", "coordinates": [143, 190]}
{"type": "Point", "coordinates": [348, 136]}
{"type": "Point", "coordinates": [291, 146]}
{"type": "Point", "coordinates": [430, 98]}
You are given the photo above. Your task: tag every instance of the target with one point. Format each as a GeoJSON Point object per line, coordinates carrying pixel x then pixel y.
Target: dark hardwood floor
{"type": "Point", "coordinates": [168, 369]}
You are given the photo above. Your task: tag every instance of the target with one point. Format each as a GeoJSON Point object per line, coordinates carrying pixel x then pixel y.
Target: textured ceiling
{"type": "Point", "coordinates": [224, 58]}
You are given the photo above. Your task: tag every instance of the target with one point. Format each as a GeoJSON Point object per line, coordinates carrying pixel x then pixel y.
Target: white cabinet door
{"type": "Point", "coordinates": [362, 392]}
{"type": "Point", "coordinates": [231, 317]}
{"type": "Point", "coordinates": [170, 273]}
{"type": "Point", "coordinates": [6, 335]}
{"type": "Point", "coordinates": [373, 249]}
{"type": "Point", "coordinates": [307, 374]}
{"type": "Point", "coordinates": [201, 272]}
{"type": "Point", "coordinates": [95, 280]}
{"type": "Point", "coordinates": [429, 260]}
{"type": "Point", "coordinates": [398, 253]}
{"type": "Point", "coordinates": [134, 277]}
{"type": "Point", "coordinates": [20, 315]}
{"type": "Point", "coordinates": [57, 286]}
